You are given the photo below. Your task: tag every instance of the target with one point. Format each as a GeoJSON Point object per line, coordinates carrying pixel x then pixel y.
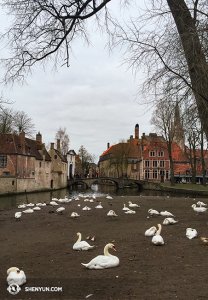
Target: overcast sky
{"type": "Point", "coordinates": [94, 98]}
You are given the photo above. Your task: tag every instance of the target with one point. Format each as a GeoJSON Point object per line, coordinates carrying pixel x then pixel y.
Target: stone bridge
{"type": "Point", "coordinates": [119, 182]}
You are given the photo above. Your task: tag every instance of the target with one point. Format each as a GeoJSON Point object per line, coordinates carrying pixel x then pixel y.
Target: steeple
{"type": "Point", "coordinates": [179, 137]}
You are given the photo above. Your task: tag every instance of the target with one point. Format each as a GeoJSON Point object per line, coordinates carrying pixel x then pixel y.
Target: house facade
{"type": "Point", "coordinates": [59, 167]}
{"type": "Point", "coordinates": [25, 164]}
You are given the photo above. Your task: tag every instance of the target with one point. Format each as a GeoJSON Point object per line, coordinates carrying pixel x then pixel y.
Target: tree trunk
{"type": "Point", "coordinates": [198, 69]}
{"type": "Point", "coordinates": [202, 158]}
{"type": "Point", "coordinates": [172, 181]}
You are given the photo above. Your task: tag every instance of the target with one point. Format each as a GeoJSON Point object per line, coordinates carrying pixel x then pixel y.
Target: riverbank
{"type": "Point", "coordinates": [41, 245]}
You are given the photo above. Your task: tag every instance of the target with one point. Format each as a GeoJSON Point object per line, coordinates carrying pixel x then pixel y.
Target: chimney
{"type": "Point", "coordinates": [131, 138]}
{"type": "Point", "coordinates": [22, 138]}
{"type": "Point", "coordinates": [108, 145]}
{"type": "Point", "coordinates": [136, 131]}
{"type": "Point", "coordinates": [39, 137]}
{"type": "Point", "coordinates": [58, 145]}
{"type": "Point", "coordinates": [52, 146]}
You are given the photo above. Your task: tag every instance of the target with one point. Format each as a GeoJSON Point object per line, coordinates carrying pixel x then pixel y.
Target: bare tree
{"type": "Point", "coordinates": [163, 120]}
{"type": "Point", "coordinates": [44, 30]}
{"type": "Point", "coordinates": [22, 122]}
{"type": "Point", "coordinates": [64, 139]}
{"type": "Point", "coordinates": [6, 121]}
{"type": "Point", "coordinates": [85, 158]}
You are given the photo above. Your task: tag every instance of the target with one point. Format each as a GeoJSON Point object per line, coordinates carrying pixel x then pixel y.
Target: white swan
{"type": "Point", "coordinates": [200, 203]}
{"type": "Point", "coordinates": [53, 203]}
{"type": "Point", "coordinates": [15, 275]}
{"type": "Point", "coordinates": [130, 211]}
{"type": "Point", "coordinates": [36, 208]}
{"type": "Point", "coordinates": [198, 209]}
{"type": "Point", "coordinates": [60, 209]}
{"type": "Point", "coordinates": [99, 205]}
{"type": "Point", "coordinates": [74, 215]}
{"type": "Point", "coordinates": [169, 221]}
{"type": "Point", "coordinates": [28, 211]}
{"type": "Point", "coordinates": [30, 204]}
{"type": "Point", "coordinates": [86, 208]}
{"type": "Point", "coordinates": [104, 261]}
{"type": "Point", "coordinates": [157, 239]}
{"type": "Point", "coordinates": [153, 212]}
{"type": "Point", "coordinates": [125, 207]}
{"type": "Point", "coordinates": [133, 204]}
{"type": "Point", "coordinates": [81, 245]}
{"type": "Point", "coordinates": [166, 214]}
{"type": "Point", "coordinates": [18, 215]}
{"type": "Point", "coordinates": [151, 231]}
{"type": "Point", "coordinates": [21, 206]}
{"type": "Point", "coordinates": [191, 233]}
{"type": "Point", "coordinates": [112, 213]}
{"type": "Point", "coordinates": [109, 197]}
{"type": "Point", "coordinates": [91, 200]}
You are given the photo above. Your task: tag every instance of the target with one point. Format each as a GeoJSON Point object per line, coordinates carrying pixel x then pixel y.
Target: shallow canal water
{"type": "Point", "coordinates": [7, 202]}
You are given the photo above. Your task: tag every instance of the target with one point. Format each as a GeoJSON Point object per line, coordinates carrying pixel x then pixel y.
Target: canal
{"type": "Point", "coordinates": [8, 202]}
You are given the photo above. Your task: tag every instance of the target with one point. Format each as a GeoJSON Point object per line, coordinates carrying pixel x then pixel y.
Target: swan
{"type": "Point", "coordinates": [191, 233]}
{"type": "Point", "coordinates": [18, 215]}
{"type": "Point", "coordinates": [133, 204]}
{"type": "Point", "coordinates": [36, 208]}
{"type": "Point", "coordinates": [157, 239]}
{"type": "Point", "coordinates": [204, 240]}
{"type": "Point", "coordinates": [81, 245]}
{"type": "Point", "coordinates": [153, 212]}
{"type": "Point", "coordinates": [91, 200]}
{"type": "Point", "coordinates": [111, 213]}
{"type": "Point", "coordinates": [130, 211]}
{"type": "Point", "coordinates": [109, 197]}
{"type": "Point", "coordinates": [28, 211]}
{"type": "Point", "coordinates": [169, 221]}
{"type": "Point", "coordinates": [200, 203]}
{"type": "Point", "coordinates": [104, 261]}
{"type": "Point", "coordinates": [99, 206]}
{"type": "Point", "coordinates": [30, 204]}
{"type": "Point", "coordinates": [15, 275]}
{"type": "Point", "coordinates": [21, 206]}
{"type": "Point", "coordinates": [125, 207]}
{"type": "Point", "coordinates": [53, 203]}
{"type": "Point", "coordinates": [166, 214]}
{"type": "Point", "coordinates": [151, 231]}
{"type": "Point", "coordinates": [60, 209]}
{"type": "Point", "coordinates": [198, 209]}
{"type": "Point", "coordinates": [86, 208]}
{"type": "Point", "coordinates": [74, 215]}
{"type": "Point", "coordinates": [85, 200]}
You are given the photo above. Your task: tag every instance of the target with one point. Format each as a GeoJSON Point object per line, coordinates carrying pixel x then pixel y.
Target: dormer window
{"type": "Point", "coordinates": [152, 153]}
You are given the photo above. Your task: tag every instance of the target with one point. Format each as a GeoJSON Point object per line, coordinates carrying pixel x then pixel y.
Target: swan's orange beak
{"type": "Point", "coordinates": [18, 271]}
{"type": "Point", "coordinates": [114, 248]}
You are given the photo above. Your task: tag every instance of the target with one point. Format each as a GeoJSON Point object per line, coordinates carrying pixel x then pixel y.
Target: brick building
{"type": "Point", "coordinates": [25, 164]}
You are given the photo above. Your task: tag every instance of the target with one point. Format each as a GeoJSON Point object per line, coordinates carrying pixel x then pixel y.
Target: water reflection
{"type": "Point", "coordinates": [8, 202]}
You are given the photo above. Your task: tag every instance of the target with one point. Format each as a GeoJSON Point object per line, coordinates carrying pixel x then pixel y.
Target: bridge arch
{"type": "Point", "coordinates": [96, 180]}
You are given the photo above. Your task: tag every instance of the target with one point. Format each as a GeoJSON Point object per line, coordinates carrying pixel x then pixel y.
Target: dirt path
{"type": "Point", "coordinates": [41, 245]}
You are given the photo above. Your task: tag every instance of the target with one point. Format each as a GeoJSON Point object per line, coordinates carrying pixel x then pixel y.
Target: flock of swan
{"type": "Point", "coordinates": [107, 260]}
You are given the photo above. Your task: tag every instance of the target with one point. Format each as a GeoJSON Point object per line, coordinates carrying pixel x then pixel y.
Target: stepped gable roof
{"type": "Point", "coordinates": [131, 150]}
{"type": "Point", "coordinates": [11, 144]}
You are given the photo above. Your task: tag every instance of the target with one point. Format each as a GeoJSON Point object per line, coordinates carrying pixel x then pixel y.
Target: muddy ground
{"type": "Point", "coordinates": [41, 245]}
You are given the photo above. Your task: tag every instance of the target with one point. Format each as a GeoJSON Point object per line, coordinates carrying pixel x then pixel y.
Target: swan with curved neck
{"type": "Point", "coordinates": [104, 261]}
{"type": "Point", "coordinates": [198, 209]}
{"type": "Point", "coordinates": [81, 245]}
{"type": "Point", "coordinates": [157, 239]}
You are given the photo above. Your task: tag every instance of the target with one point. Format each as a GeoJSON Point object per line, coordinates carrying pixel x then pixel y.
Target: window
{"type": "Point", "coordinates": [33, 173]}
{"type": "Point", "coordinates": [160, 153]}
{"type": "Point", "coordinates": [40, 164]}
{"type": "Point", "coordinates": [167, 174]}
{"type": "Point", "coordinates": [154, 164]}
{"type": "Point", "coordinates": [152, 153]}
{"type": "Point", "coordinates": [162, 172]}
{"type": "Point", "coordinates": [55, 156]}
{"type": "Point", "coordinates": [147, 174]}
{"type": "Point", "coordinates": [6, 173]}
{"type": "Point", "coordinates": [147, 164]}
{"type": "Point", "coordinates": [162, 163]}
{"type": "Point", "coordinates": [154, 174]}
{"type": "Point", "coordinates": [3, 161]}
{"type": "Point", "coordinates": [12, 182]}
